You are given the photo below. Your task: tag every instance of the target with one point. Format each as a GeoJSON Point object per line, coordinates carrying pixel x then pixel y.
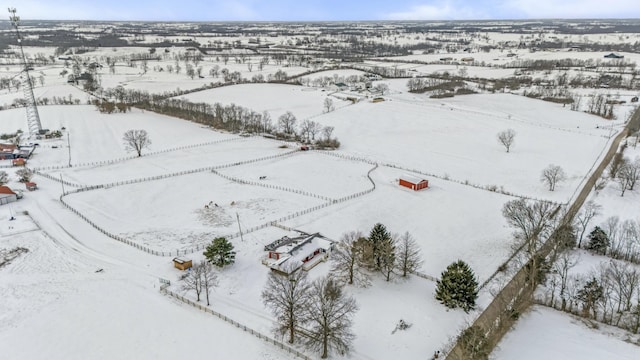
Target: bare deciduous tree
{"type": "Point", "coordinates": [209, 278]}
{"type": "Point", "coordinates": [382, 88]}
{"type": "Point", "coordinates": [589, 211]}
{"type": "Point", "coordinates": [387, 261]}
{"type": "Point", "coordinates": [408, 256]}
{"type": "Point", "coordinates": [193, 280]}
{"type": "Point", "coordinates": [287, 122]}
{"type": "Point", "coordinates": [328, 105]}
{"type": "Point", "coordinates": [327, 131]}
{"type": "Point", "coordinates": [506, 138]}
{"type": "Point", "coordinates": [288, 298]}
{"type": "Point", "coordinates": [628, 174]}
{"type": "Point", "coordinates": [532, 221]}
{"type": "Point", "coordinates": [565, 262]}
{"type": "Point", "coordinates": [552, 175]}
{"type": "Point", "coordinates": [347, 260]}
{"type": "Point", "coordinates": [330, 316]}
{"type": "Point", "coordinates": [136, 140]}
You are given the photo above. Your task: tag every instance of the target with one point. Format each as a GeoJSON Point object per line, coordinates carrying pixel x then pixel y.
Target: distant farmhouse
{"type": "Point", "coordinates": [614, 56]}
{"type": "Point", "coordinates": [287, 255]}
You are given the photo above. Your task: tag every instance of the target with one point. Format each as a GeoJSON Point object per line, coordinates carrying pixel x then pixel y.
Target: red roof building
{"type": "Point", "coordinates": [413, 182]}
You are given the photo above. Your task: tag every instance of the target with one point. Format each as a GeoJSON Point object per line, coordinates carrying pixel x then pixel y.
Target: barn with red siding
{"type": "Point", "coordinates": [413, 182]}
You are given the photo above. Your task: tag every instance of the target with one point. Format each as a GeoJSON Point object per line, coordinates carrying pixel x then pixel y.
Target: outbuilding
{"type": "Point", "coordinates": [413, 182]}
{"type": "Point", "coordinates": [7, 195]}
{"type": "Point", "coordinates": [19, 162]}
{"type": "Point", "coordinates": [31, 186]}
{"type": "Point", "coordinates": [182, 264]}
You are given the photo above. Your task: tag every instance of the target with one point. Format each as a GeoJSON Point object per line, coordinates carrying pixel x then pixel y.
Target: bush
{"type": "Point", "coordinates": [328, 144]}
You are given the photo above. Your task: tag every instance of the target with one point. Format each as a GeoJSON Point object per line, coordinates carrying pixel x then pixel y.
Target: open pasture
{"type": "Point", "coordinates": [181, 212]}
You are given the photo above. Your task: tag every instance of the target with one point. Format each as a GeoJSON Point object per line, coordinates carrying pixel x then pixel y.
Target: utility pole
{"type": "Point", "coordinates": [69, 145]}
{"type": "Point", "coordinates": [239, 228]}
{"type": "Point", "coordinates": [33, 118]}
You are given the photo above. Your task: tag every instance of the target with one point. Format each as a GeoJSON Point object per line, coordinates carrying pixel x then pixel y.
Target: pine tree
{"type": "Point", "coordinates": [220, 252]}
{"type": "Point", "coordinates": [589, 295]}
{"type": "Point", "coordinates": [458, 287]}
{"type": "Point", "coordinates": [377, 237]}
{"type": "Point", "coordinates": [598, 241]}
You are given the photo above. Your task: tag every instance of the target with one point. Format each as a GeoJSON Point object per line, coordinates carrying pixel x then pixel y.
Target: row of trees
{"type": "Point", "coordinates": [356, 257]}
{"type": "Point", "coordinates": [319, 312]}
{"type": "Point", "coordinates": [617, 239]}
{"type": "Point", "coordinates": [610, 293]}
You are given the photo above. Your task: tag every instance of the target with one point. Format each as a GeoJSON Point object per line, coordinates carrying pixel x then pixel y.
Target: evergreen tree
{"type": "Point", "coordinates": [458, 287]}
{"type": "Point", "coordinates": [377, 237]}
{"type": "Point", "coordinates": [220, 252]}
{"type": "Point", "coordinates": [598, 241]}
{"type": "Point", "coordinates": [589, 296]}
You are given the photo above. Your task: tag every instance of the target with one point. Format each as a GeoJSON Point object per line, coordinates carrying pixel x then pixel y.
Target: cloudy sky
{"type": "Point", "coordinates": [311, 10]}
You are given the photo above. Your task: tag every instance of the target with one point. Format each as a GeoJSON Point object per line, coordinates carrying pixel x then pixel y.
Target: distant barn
{"type": "Point", "coordinates": [413, 182]}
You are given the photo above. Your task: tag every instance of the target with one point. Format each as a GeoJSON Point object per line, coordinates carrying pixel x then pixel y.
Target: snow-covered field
{"type": "Point", "coordinates": [544, 333]}
{"type": "Point", "coordinates": [79, 294]}
{"type": "Point", "coordinates": [276, 99]}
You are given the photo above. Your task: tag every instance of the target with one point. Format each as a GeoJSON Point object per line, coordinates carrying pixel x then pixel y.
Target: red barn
{"type": "Point", "coordinates": [413, 183]}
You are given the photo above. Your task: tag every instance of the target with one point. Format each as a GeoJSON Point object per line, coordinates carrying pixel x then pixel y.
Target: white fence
{"type": "Point", "coordinates": [268, 339]}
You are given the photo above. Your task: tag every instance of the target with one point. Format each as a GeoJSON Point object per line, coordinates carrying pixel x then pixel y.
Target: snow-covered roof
{"type": "Point", "coordinates": [412, 178]}
{"type": "Point", "coordinates": [180, 260]}
{"type": "Point", "coordinates": [294, 253]}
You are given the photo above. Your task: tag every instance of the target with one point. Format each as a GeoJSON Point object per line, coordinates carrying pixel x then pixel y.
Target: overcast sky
{"type": "Point", "coordinates": [311, 10]}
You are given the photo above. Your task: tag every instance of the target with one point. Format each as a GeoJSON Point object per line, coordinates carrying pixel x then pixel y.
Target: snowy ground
{"type": "Point", "coordinates": [54, 294]}
{"type": "Point", "coordinates": [543, 333]}
{"type": "Point", "coordinates": [276, 99]}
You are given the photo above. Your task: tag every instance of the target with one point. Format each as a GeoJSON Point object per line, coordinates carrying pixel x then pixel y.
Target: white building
{"type": "Point", "coordinates": [286, 255]}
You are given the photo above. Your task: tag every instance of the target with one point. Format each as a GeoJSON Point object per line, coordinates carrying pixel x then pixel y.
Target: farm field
{"type": "Point", "coordinates": [276, 99]}
{"type": "Point", "coordinates": [456, 138]}
{"type": "Point", "coordinates": [98, 242]}
{"type": "Point", "coordinates": [178, 218]}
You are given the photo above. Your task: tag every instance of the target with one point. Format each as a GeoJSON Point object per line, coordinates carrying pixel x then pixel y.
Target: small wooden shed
{"type": "Point", "coordinates": [18, 162]}
{"type": "Point", "coordinates": [182, 264]}
{"type": "Point", "coordinates": [413, 182]}
{"type": "Point", "coordinates": [31, 186]}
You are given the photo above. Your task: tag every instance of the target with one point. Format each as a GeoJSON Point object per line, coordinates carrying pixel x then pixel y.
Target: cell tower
{"type": "Point", "coordinates": [33, 118]}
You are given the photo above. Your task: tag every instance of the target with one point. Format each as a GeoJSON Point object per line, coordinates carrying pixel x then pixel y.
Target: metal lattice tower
{"type": "Point", "coordinates": [33, 118]}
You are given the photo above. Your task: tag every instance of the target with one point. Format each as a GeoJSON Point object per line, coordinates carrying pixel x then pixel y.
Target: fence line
{"type": "Point", "coordinates": [165, 176]}
{"type": "Point", "coordinates": [269, 186]}
{"type": "Point", "coordinates": [200, 247]}
{"type": "Point", "coordinates": [131, 157]}
{"type": "Point", "coordinates": [268, 339]}
{"type": "Point", "coordinates": [492, 188]}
